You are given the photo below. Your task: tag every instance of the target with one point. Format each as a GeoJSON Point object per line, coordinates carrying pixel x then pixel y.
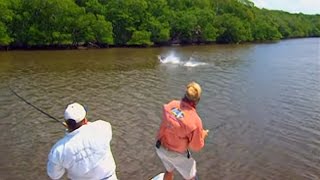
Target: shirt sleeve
{"type": "Point", "coordinates": [106, 127]}
{"type": "Point", "coordinates": [196, 139]}
{"type": "Point", "coordinates": [54, 169]}
{"type": "Point", "coordinates": [162, 126]}
{"type": "Point", "coordinates": [109, 130]}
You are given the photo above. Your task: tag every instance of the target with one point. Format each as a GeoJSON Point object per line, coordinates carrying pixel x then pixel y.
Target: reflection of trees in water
{"type": "Point", "coordinates": [73, 60]}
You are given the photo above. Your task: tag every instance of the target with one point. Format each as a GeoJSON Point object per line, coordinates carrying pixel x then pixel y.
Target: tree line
{"type": "Point", "coordinates": [38, 23]}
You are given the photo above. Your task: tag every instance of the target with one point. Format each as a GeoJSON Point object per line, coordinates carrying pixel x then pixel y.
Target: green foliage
{"type": "Point", "coordinates": [247, 2]}
{"type": "Point", "coordinates": [5, 18]}
{"type": "Point", "coordinates": [315, 29]}
{"type": "Point", "coordinates": [209, 33]}
{"type": "Point", "coordinates": [160, 32]}
{"type": "Point", "coordinates": [5, 39]}
{"type": "Point", "coordinates": [261, 31]}
{"type": "Point", "coordinates": [146, 22]}
{"type": "Point", "coordinates": [93, 6]}
{"type": "Point", "coordinates": [157, 21]}
{"type": "Point", "coordinates": [184, 25]}
{"type": "Point", "coordinates": [205, 30]}
{"type": "Point", "coordinates": [5, 13]}
{"type": "Point", "coordinates": [126, 17]}
{"type": "Point", "coordinates": [232, 29]}
{"type": "Point", "coordinates": [140, 38]}
{"type": "Point", "coordinates": [102, 30]}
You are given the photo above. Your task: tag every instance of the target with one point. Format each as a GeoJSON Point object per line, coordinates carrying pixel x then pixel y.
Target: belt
{"type": "Point", "coordinates": [158, 145]}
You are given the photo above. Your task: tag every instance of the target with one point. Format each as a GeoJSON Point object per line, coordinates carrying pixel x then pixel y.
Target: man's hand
{"type": "Point", "coordinates": [205, 133]}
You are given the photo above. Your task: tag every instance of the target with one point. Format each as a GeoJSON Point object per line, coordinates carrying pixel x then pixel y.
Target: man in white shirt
{"type": "Point", "coordinates": [85, 151]}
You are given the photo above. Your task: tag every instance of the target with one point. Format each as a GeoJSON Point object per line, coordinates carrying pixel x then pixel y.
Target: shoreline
{"type": "Point", "coordinates": [91, 46]}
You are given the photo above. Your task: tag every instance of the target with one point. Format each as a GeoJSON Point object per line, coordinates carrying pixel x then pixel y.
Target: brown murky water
{"type": "Point", "coordinates": [266, 96]}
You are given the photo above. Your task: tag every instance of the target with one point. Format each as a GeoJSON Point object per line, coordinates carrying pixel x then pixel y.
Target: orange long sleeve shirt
{"type": "Point", "coordinates": [181, 127]}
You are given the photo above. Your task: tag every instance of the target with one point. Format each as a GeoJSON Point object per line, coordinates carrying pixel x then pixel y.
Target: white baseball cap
{"type": "Point", "coordinates": [75, 111]}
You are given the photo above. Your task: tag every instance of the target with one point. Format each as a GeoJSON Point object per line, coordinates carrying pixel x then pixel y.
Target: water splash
{"type": "Point", "coordinates": [193, 63]}
{"type": "Point", "coordinates": [173, 59]}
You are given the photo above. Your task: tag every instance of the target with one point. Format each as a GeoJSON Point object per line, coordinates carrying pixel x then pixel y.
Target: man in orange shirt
{"type": "Point", "coordinates": [181, 129]}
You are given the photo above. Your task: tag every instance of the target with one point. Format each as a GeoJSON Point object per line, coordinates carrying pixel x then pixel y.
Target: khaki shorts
{"type": "Point", "coordinates": [179, 161]}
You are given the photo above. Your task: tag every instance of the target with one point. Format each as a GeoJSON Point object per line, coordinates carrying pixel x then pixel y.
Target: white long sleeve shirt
{"type": "Point", "coordinates": [84, 153]}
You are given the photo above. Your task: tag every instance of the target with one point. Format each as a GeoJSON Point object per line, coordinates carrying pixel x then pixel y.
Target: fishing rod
{"type": "Point", "coordinates": [63, 123]}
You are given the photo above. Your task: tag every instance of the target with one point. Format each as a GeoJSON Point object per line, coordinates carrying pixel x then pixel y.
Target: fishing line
{"type": "Point", "coordinates": [63, 123]}
{"type": "Point", "coordinates": [213, 130]}
{"type": "Point", "coordinates": [218, 127]}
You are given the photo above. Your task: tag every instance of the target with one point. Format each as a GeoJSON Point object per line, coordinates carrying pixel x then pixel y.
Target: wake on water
{"type": "Point", "coordinates": [193, 63]}
{"type": "Point", "coordinates": [172, 59]}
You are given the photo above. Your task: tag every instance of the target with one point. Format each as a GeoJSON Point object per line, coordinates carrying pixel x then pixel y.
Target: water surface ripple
{"type": "Point", "coordinates": [266, 95]}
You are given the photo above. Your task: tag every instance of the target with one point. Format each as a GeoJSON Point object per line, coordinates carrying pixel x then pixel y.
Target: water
{"type": "Point", "coordinates": [173, 59]}
{"type": "Point", "coordinates": [264, 99]}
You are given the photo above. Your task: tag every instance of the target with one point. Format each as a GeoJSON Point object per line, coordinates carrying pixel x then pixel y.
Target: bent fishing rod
{"type": "Point", "coordinates": [35, 107]}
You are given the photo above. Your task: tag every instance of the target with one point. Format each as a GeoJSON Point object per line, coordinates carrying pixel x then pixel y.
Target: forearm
{"type": "Point", "coordinates": [54, 171]}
